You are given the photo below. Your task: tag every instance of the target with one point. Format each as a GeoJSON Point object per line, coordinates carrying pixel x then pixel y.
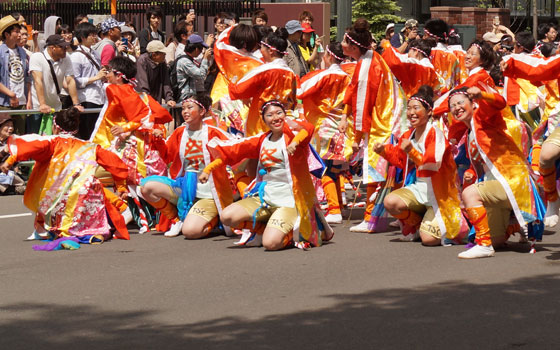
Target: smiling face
{"type": "Point", "coordinates": [472, 58]}
{"type": "Point", "coordinates": [461, 108]}
{"type": "Point", "coordinates": [192, 113]}
{"type": "Point", "coordinates": [417, 114]}
{"type": "Point", "coordinates": [274, 118]}
{"type": "Point", "coordinates": [6, 130]}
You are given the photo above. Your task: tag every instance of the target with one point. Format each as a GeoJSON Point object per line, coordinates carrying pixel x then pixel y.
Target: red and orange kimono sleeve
{"type": "Point", "coordinates": [429, 162]}
{"type": "Point", "coordinates": [169, 149]}
{"type": "Point", "coordinates": [492, 100]}
{"type": "Point", "coordinates": [27, 147]}
{"type": "Point", "coordinates": [159, 115]}
{"type": "Point", "coordinates": [394, 155]}
{"type": "Point", "coordinates": [531, 67]}
{"type": "Point", "coordinates": [249, 86]}
{"type": "Point", "coordinates": [308, 86]}
{"type": "Point", "coordinates": [234, 151]}
{"type": "Point", "coordinates": [114, 165]}
{"type": "Point", "coordinates": [403, 70]}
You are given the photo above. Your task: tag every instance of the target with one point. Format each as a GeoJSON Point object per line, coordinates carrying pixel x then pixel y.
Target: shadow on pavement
{"type": "Point", "coordinates": [521, 314]}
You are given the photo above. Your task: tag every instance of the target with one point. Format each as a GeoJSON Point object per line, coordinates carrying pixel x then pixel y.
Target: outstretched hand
{"type": "Point", "coordinates": [291, 148]}
{"type": "Point", "coordinates": [203, 177]}
{"type": "Point", "coordinates": [5, 168]}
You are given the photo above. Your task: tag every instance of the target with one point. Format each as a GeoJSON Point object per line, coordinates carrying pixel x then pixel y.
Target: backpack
{"type": "Point", "coordinates": [173, 78]}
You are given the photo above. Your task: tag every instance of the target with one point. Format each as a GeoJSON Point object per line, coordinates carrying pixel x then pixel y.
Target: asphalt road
{"type": "Point", "coordinates": [362, 291]}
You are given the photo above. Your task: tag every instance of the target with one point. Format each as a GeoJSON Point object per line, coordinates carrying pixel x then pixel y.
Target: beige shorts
{"type": "Point", "coordinates": [429, 226]}
{"type": "Point", "coordinates": [493, 194]}
{"type": "Point", "coordinates": [410, 200]}
{"type": "Point", "coordinates": [280, 218]}
{"type": "Point", "coordinates": [205, 208]}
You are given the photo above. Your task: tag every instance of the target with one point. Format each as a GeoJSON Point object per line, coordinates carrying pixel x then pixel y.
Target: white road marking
{"type": "Point", "coordinates": [14, 215]}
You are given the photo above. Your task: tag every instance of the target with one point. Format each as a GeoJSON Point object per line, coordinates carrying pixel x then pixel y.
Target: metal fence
{"type": "Point", "coordinates": [35, 11]}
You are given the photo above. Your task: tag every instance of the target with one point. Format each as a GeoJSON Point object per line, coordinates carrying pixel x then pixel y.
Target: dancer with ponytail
{"type": "Point", "coordinates": [62, 189]}
{"type": "Point", "coordinates": [377, 103]}
{"type": "Point", "coordinates": [281, 207]}
{"type": "Point", "coordinates": [444, 60]}
{"type": "Point", "coordinates": [507, 184]}
{"type": "Point", "coordinates": [322, 93]}
{"type": "Point", "coordinates": [192, 206]}
{"type": "Point", "coordinates": [431, 205]}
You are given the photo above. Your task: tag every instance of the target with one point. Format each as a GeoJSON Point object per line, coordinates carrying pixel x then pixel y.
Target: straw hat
{"type": "Point", "coordinates": [5, 22]}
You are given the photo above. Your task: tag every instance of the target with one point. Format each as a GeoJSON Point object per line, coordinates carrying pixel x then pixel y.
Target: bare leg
{"type": "Point", "coordinates": [195, 227]}
{"type": "Point", "coordinates": [235, 214]}
{"type": "Point", "coordinates": [274, 239]}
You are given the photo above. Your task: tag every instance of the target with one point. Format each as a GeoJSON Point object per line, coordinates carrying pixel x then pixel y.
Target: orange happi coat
{"type": "Point", "coordinates": [501, 155]}
{"type": "Point", "coordinates": [447, 66]}
{"type": "Point", "coordinates": [322, 93]}
{"type": "Point", "coordinates": [310, 223]}
{"type": "Point", "coordinates": [460, 53]}
{"type": "Point", "coordinates": [377, 101]}
{"type": "Point", "coordinates": [176, 148]}
{"type": "Point", "coordinates": [63, 190]}
{"type": "Point", "coordinates": [439, 171]}
{"type": "Point", "coordinates": [138, 114]}
{"type": "Point", "coordinates": [412, 73]}
{"type": "Point", "coordinates": [273, 80]}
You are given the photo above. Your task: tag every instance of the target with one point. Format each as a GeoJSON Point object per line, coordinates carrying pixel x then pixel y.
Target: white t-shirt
{"type": "Point", "coordinates": [278, 190]}
{"type": "Point", "coordinates": [62, 69]}
{"type": "Point", "coordinates": [194, 161]}
{"type": "Point", "coordinates": [17, 76]}
{"type": "Point", "coordinates": [180, 50]}
{"type": "Point", "coordinates": [420, 187]}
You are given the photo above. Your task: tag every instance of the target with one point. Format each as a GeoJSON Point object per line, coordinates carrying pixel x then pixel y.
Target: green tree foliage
{"type": "Point", "coordinates": [379, 13]}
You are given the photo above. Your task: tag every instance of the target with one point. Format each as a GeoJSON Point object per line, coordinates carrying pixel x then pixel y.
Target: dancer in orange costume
{"type": "Point", "coordinates": [193, 207]}
{"type": "Point", "coordinates": [541, 69]}
{"type": "Point", "coordinates": [444, 60]}
{"type": "Point", "coordinates": [322, 93]}
{"type": "Point", "coordinates": [274, 79]}
{"type": "Point", "coordinates": [377, 103]}
{"type": "Point", "coordinates": [431, 205]}
{"type": "Point", "coordinates": [62, 189]}
{"type": "Point", "coordinates": [285, 207]}
{"type": "Point", "coordinates": [507, 182]}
